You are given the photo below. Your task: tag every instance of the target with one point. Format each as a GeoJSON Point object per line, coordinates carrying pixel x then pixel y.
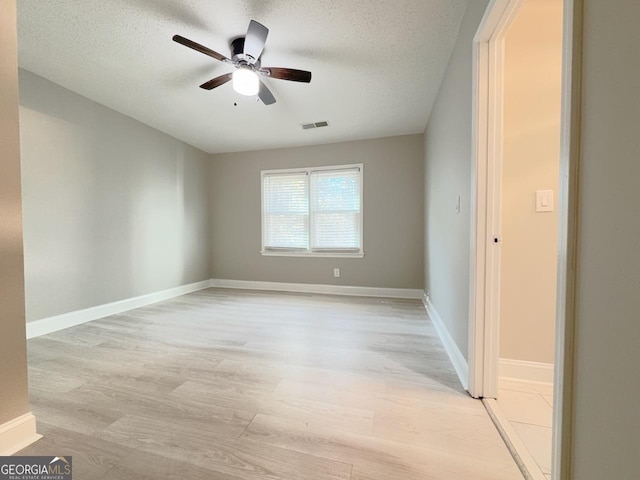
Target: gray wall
{"type": "Point", "coordinates": [447, 174]}
{"type": "Point", "coordinates": [393, 215]}
{"type": "Point", "coordinates": [607, 356]}
{"type": "Point", "coordinates": [13, 353]}
{"type": "Point", "coordinates": [113, 209]}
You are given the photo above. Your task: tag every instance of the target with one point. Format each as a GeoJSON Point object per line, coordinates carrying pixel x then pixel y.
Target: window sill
{"type": "Point", "coordinates": [313, 254]}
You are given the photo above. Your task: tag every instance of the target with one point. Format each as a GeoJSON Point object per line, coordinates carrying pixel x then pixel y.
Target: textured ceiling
{"type": "Point", "coordinates": [377, 64]}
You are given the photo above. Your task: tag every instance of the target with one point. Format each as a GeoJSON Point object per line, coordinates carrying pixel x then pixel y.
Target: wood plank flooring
{"type": "Point", "coordinates": [242, 385]}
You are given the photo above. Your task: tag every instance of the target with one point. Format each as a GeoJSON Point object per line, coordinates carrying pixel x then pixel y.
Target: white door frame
{"type": "Point", "coordinates": [488, 54]}
{"type": "Point", "coordinates": [488, 66]}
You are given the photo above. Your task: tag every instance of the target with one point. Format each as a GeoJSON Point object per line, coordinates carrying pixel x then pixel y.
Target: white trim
{"type": "Point", "coordinates": [455, 355]}
{"type": "Point", "coordinates": [486, 185]}
{"type": "Point", "coordinates": [318, 288]}
{"type": "Point", "coordinates": [567, 232]}
{"type": "Point", "coordinates": [308, 170]}
{"type": "Point", "coordinates": [292, 253]}
{"type": "Point", "coordinates": [526, 463]}
{"type": "Point", "coordinates": [526, 371]}
{"type": "Point", "coordinates": [66, 320]}
{"type": "Point", "coordinates": [478, 224]}
{"type": "Point", "coordinates": [17, 434]}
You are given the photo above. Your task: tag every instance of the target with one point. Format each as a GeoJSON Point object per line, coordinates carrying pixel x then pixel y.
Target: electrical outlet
{"type": "Point", "coordinates": [336, 272]}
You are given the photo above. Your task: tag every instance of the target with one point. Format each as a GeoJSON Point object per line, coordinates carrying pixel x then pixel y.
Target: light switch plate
{"type": "Point", "coordinates": [544, 200]}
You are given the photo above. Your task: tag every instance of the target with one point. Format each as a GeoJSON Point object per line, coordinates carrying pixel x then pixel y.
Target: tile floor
{"type": "Point", "coordinates": [529, 409]}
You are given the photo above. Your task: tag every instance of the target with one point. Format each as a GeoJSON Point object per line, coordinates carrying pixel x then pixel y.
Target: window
{"type": "Point", "coordinates": [312, 211]}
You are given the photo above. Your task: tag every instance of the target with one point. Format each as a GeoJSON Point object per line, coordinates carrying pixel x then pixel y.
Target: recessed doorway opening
{"type": "Point", "coordinates": [521, 283]}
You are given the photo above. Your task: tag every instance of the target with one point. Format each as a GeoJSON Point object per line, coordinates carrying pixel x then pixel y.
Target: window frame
{"type": "Point", "coordinates": [309, 252]}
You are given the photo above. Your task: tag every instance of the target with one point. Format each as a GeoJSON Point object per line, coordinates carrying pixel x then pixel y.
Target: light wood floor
{"type": "Point", "coordinates": [230, 385]}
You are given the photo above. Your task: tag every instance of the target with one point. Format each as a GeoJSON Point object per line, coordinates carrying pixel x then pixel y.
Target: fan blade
{"type": "Point", "coordinates": [265, 95]}
{"type": "Point", "coordinates": [200, 48]}
{"type": "Point", "coordinates": [216, 82]}
{"type": "Point", "coordinates": [255, 39]}
{"type": "Point", "coordinates": [288, 74]}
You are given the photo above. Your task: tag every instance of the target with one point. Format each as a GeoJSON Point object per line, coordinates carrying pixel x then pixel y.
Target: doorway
{"type": "Point", "coordinates": [515, 202]}
{"type": "Point", "coordinates": [532, 85]}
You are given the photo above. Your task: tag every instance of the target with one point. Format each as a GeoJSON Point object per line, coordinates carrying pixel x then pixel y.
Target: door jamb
{"type": "Point", "coordinates": [486, 187]}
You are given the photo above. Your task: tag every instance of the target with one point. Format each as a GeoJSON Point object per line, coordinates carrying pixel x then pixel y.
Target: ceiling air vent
{"type": "Point", "coordinates": [307, 126]}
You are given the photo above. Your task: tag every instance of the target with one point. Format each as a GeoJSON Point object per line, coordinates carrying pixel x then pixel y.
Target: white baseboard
{"type": "Point", "coordinates": [17, 434]}
{"type": "Point", "coordinates": [316, 288]}
{"type": "Point", "coordinates": [523, 371]}
{"type": "Point", "coordinates": [66, 320]}
{"type": "Point", "coordinates": [455, 355]}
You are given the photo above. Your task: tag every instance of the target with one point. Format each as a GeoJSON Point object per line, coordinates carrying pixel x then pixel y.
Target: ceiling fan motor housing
{"type": "Point", "coordinates": [238, 56]}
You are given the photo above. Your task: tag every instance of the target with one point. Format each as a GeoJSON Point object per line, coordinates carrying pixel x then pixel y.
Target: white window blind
{"type": "Point", "coordinates": [314, 211]}
{"type": "Point", "coordinates": [286, 211]}
{"type": "Point", "coordinates": [335, 210]}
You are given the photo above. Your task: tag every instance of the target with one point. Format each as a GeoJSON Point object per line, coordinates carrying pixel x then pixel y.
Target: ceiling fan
{"type": "Point", "coordinates": [245, 57]}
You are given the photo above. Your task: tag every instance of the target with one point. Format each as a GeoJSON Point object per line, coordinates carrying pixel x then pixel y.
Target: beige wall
{"type": "Point", "coordinates": [607, 342]}
{"type": "Point", "coordinates": [531, 161]}
{"type": "Point", "coordinates": [113, 209]}
{"type": "Point", "coordinates": [13, 353]}
{"type": "Point", "coordinates": [447, 175]}
{"type": "Point", "coordinates": [392, 215]}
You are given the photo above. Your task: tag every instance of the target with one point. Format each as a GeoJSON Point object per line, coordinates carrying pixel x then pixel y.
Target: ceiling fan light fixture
{"type": "Point", "coordinates": [246, 82]}
{"type": "Point", "coordinates": [246, 58]}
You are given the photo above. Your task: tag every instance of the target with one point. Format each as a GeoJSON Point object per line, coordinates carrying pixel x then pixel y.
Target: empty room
{"type": "Point", "coordinates": [246, 240]}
